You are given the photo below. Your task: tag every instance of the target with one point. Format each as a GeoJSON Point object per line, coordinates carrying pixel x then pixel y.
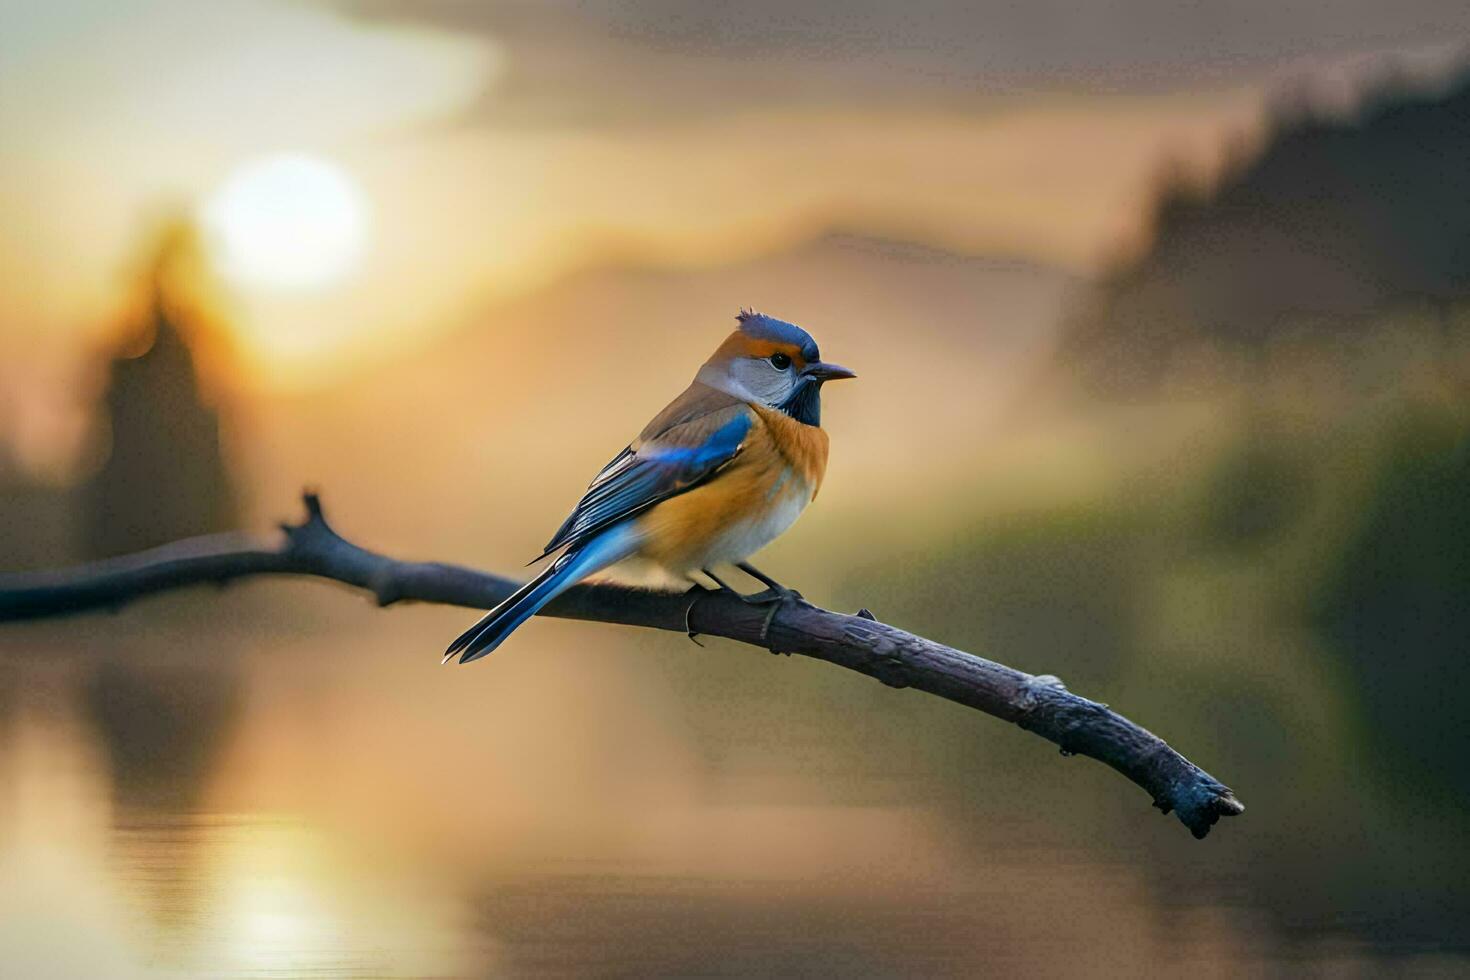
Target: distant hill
{"type": "Point", "coordinates": [942, 344]}
{"type": "Point", "coordinates": [1334, 222]}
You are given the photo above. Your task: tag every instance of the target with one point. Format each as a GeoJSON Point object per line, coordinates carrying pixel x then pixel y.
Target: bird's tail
{"type": "Point", "coordinates": [606, 549]}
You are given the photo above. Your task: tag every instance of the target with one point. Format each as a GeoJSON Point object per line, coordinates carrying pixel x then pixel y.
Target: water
{"type": "Point", "coordinates": [307, 793]}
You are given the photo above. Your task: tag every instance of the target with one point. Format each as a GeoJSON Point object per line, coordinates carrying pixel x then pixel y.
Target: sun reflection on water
{"type": "Point", "coordinates": [160, 892]}
{"type": "Point", "coordinates": [286, 902]}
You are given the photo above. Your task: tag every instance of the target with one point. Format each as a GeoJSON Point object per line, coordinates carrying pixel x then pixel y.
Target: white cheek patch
{"type": "Point", "coordinates": [761, 379]}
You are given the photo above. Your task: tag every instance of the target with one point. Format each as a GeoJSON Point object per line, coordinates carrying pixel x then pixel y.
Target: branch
{"type": "Point", "coordinates": [1039, 704]}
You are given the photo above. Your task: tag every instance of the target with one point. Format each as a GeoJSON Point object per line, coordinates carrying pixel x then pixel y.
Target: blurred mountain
{"type": "Point", "coordinates": [915, 306]}
{"type": "Point", "coordinates": [1334, 222]}
{"type": "Point", "coordinates": [499, 410]}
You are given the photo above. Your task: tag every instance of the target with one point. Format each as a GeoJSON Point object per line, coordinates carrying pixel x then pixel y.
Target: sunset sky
{"type": "Point", "coordinates": [438, 261]}
{"type": "Point", "coordinates": [481, 149]}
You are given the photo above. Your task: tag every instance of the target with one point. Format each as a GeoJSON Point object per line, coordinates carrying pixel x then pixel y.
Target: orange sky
{"type": "Point", "coordinates": [496, 156]}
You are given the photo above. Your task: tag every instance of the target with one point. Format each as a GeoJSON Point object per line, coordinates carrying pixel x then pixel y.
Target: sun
{"type": "Point", "coordinates": [287, 222]}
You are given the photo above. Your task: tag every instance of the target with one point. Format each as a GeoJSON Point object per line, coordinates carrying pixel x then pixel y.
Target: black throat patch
{"type": "Point", "coordinates": [805, 403]}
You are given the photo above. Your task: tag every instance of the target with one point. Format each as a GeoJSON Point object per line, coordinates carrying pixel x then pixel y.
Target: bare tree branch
{"type": "Point", "coordinates": [1039, 704]}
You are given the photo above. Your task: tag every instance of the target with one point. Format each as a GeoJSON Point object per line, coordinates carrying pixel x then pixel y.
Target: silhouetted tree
{"type": "Point", "coordinates": [164, 475]}
{"type": "Point", "coordinates": [1334, 221]}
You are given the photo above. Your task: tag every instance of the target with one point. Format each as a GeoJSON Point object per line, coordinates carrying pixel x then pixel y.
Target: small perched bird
{"type": "Point", "coordinates": [717, 475]}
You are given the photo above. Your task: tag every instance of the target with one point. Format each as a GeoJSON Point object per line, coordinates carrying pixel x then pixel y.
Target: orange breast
{"type": "Point", "coordinates": [803, 446]}
{"type": "Point", "coordinates": [776, 468]}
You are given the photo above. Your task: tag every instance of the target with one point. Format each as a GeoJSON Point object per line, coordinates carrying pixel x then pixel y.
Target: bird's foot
{"type": "Point", "coordinates": [767, 596]}
{"type": "Point", "coordinates": [774, 596]}
{"type": "Point", "coordinates": [774, 591]}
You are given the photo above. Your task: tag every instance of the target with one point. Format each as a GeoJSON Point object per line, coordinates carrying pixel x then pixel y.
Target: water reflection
{"type": "Point", "coordinates": [246, 849]}
{"type": "Point", "coordinates": [160, 888]}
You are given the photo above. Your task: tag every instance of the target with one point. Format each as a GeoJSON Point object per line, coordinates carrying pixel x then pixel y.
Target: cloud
{"type": "Point", "coordinates": [640, 60]}
{"type": "Point", "coordinates": [109, 110]}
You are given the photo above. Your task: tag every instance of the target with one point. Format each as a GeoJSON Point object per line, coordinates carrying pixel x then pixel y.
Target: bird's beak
{"type": "Point", "coordinates": [823, 371]}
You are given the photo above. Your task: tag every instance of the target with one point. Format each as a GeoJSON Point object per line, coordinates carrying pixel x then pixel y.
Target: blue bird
{"type": "Point", "coordinates": [717, 475]}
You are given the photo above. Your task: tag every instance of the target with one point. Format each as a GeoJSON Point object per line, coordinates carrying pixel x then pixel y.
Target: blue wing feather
{"type": "Point", "coordinates": [671, 463]}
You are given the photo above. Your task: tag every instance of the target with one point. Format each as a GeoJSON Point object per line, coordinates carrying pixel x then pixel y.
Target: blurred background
{"type": "Point", "coordinates": [1162, 316]}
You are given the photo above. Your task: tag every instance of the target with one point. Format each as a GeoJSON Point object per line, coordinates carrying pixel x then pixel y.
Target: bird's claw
{"type": "Point", "coordinates": [773, 592]}
{"type": "Point", "coordinates": [768, 596]}
{"type": "Point", "coordinates": [773, 596]}
{"type": "Point", "coordinates": [694, 595]}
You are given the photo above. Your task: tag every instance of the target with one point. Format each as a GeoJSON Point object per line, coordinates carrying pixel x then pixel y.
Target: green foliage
{"type": "Point", "coordinates": [1288, 595]}
{"type": "Point", "coordinates": [1395, 605]}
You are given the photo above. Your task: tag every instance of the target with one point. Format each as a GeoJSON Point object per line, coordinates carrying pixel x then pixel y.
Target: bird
{"type": "Point", "coordinates": [722, 471]}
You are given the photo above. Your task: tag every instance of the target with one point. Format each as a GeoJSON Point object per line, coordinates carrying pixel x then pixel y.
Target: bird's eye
{"type": "Point", "coordinates": [780, 361]}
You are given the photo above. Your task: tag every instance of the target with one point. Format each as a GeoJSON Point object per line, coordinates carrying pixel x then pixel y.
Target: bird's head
{"type": "Point", "coordinates": [773, 363]}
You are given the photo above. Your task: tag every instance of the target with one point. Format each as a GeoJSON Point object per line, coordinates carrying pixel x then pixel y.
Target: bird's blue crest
{"type": "Point", "coordinates": [763, 327]}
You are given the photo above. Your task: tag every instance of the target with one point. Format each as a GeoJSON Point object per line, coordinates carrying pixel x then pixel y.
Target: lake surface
{"type": "Point", "coordinates": [187, 792]}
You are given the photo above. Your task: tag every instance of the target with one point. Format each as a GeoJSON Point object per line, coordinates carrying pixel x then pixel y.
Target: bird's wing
{"type": "Point", "coordinates": [666, 460]}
